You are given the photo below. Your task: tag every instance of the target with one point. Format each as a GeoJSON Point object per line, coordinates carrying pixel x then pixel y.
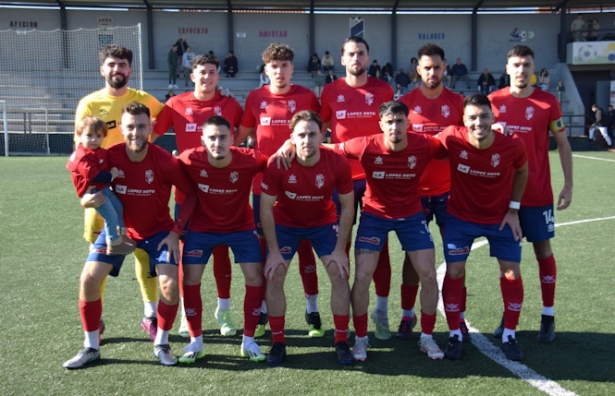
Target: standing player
{"type": "Point", "coordinates": [488, 175]}
{"type": "Point", "coordinates": [223, 175]}
{"type": "Point", "coordinates": [107, 104]}
{"type": "Point", "coordinates": [532, 113]}
{"type": "Point", "coordinates": [432, 108]}
{"type": "Point", "coordinates": [186, 113]}
{"type": "Point", "coordinates": [350, 109]}
{"type": "Point", "coordinates": [146, 175]}
{"type": "Point", "coordinates": [268, 111]}
{"type": "Point", "coordinates": [295, 205]}
{"type": "Point", "coordinates": [394, 162]}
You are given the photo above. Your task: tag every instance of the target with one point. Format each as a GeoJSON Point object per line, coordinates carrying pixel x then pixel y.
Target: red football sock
{"type": "Point", "coordinates": [341, 327]}
{"type": "Point", "coordinates": [222, 271]}
{"type": "Point", "coordinates": [408, 296]}
{"type": "Point", "coordinates": [428, 322]}
{"type": "Point", "coordinates": [193, 305]}
{"type": "Point", "coordinates": [307, 268]}
{"type": "Point", "coordinates": [251, 309]}
{"type": "Point", "coordinates": [360, 325]}
{"type": "Point", "coordinates": [382, 274]}
{"type": "Point", "coordinates": [180, 269]}
{"type": "Point", "coordinates": [512, 293]}
{"type": "Point", "coordinates": [277, 328]}
{"type": "Point", "coordinates": [166, 315]}
{"type": "Point", "coordinates": [548, 273]}
{"type": "Point", "coordinates": [91, 313]}
{"type": "Point", "coordinates": [464, 298]}
{"type": "Point", "coordinates": [452, 293]}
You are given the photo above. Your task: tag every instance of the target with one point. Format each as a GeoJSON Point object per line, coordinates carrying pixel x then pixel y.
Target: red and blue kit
{"type": "Point", "coordinates": [481, 180]}
{"type": "Point", "coordinates": [393, 177]}
{"type": "Point", "coordinates": [304, 192]}
{"type": "Point", "coordinates": [531, 119]}
{"type": "Point", "coordinates": [145, 188]}
{"type": "Point", "coordinates": [85, 165]}
{"type": "Point", "coordinates": [223, 193]}
{"type": "Point", "coordinates": [431, 116]}
{"type": "Point", "coordinates": [353, 112]}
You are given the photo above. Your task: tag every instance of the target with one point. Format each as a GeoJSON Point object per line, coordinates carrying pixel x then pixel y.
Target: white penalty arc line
{"type": "Point", "coordinates": [593, 158]}
{"type": "Point", "coordinates": [485, 346]}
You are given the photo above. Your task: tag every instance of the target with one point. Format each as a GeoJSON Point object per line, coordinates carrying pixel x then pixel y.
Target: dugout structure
{"type": "Point", "coordinates": [43, 74]}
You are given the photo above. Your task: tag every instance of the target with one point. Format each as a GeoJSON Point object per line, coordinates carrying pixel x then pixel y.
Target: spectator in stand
{"type": "Point", "coordinates": [599, 123]}
{"type": "Point", "coordinates": [319, 82]}
{"type": "Point", "coordinates": [459, 71]}
{"type": "Point", "coordinates": [231, 65]}
{"type": "Point", "coordinates": [388, 72]}
{"type": "Point", "coordinates": [578, 28]}
{"type": "Point", "coordinates": [182, 47]}
{"type": "Point", "coordinates": [593, 28]}
{"type": "Point", "coordinates": [609, 120]}
{"type": "Point", "coordinates": [402, 81]}
{"type": "Point", "coordinates": [486, 82]}
{"type": "Point", "coordinates": [327, 62]}
{"type": "Point", "coordinates": [543, 80]}
{"type": "Point", "coordinates": [186, 63]}
{"type": "Point", "coordinates": [374, 68]}
{"type": "Point", "coordinates": [447, 73]}
{"type": "Point", "coordinates": [330, 77]}
{"type": "Point", "coordinates": [504, 80]}
{"type": "Point", "coordinates": [313, 64]}
{"type": "Point", "coordinates": [412, 71]}
{"type": "Point", "coordinates": [264, 78]}
{"type": "Point", "coordinates": [172, 61]}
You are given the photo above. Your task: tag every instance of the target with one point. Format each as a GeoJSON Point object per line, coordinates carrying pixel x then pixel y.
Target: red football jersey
{"type": "Point", "coordinates": [304, 192]}
{"type": "Point", "coordinates": [432, 116]}
{"type": "Point", "coordinates": [145, 188]}
{"type": "Point", "coordinates": [481, 180]}
{"type": "Point", "coordinates": [270, 114]}
{"type": "Point", "coordinates": [353, 112]}
{"type": "Point", "coordinates": [393, 177]}
{"type": "Point", "coordinates": [223, 193]}
{"type": "Point", "coordinates": [531, 118]}
{"type": "Point", "coordinates": [84, 165]}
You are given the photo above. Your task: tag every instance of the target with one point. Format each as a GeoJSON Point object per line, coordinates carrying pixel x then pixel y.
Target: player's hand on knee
{"type": "Point", "coordinates": [274, 261]}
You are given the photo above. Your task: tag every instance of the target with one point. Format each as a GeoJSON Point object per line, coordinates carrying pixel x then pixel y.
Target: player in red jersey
{"type": "Point", "coordinates": [146, 174]}
{"type": "Point", "coordinates": [350, 109]}
{"type": "Point", "coordinates": [489, 172]}
{"type": "Point", "coordinates": [432, 108]}
{"type": "Point", "coordinates": [186, 113]}
{"type": "Point", "coordinates": [267, 115]}
{"type": "Point", "coordinates": [532, 113]}
{"type": "Point", "coordinates": [223, 176]}
{"type": "Point", "coordinates": [394, 162]}
{"type": "Point", "coordinates": [296, 204]}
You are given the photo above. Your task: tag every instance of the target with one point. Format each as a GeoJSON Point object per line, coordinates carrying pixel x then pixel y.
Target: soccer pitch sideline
{"type": "Point", "coordinates": [42, 253]}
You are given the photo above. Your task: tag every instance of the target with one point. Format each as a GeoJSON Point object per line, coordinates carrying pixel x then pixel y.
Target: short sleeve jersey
{"type": "Point", "coordinates": [431, 116]}
{"type": "Point", "coordinates": [270, 114]}
{"type": "Point", "coordinates": [186, 114]}
{"type": "Point", "coordinates": [481, 180]}
{"type": "Point", "coordinates": [353, 112]}
{"type": "Point", "coordinates": [393, 177]}
{"type": "Point", "coordinates": [304, 192]}
{"type": "Point", "coordinates": [531, 118]}
{"type": "Point", "coordinates": [84, 165]}
{"type": "Point", "coordinates": [144, 188]}
{"type": "Point", "coordinates": [223, 193]}
{"type": "Point", "coordinates": [109, 109]}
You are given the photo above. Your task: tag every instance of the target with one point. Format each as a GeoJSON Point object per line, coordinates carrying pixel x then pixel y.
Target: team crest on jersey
{"type": "Point", "coordinates": [149, 176]}
{"type": "Point", "coordinates": [503, 109]}
{"type": "Point", "coordinates": [234, 177]}
{"type": "Point", "coordinates": [292, 179]}
{"type": "Point", "coordinates": [218, 110]}
{"type": "Point", "coordinates": [292, 106]}
{"type": "Point", "coordinates": [417, 127]}
{"type": "Point", "coordinates": [529, 113]}
{"type": "Point", "coordinates": [418, 110]}
{"type": "Point", "coordinates": [320, 180]}
{"type": "Point", "coordinates": [463, 154]}
{"type": "Point", "coordinates": [446, 111]}
{"type": "Point", "coordinates": [203, 173]}
{"type": "Point", "coordinates": [341, 98]}
{"type": "Point", "coordinates": [188, 111]}
{"type": "Point", "coordinates": [412, 162]}
{"type": "Point", "coordinates": [378, 160]}
{"type": "Point", "coordinates": [369, 98]}
{"type": "Point", "coordinates": [495, 160]}
{"type": "Point", "coordinates": [263, 104]}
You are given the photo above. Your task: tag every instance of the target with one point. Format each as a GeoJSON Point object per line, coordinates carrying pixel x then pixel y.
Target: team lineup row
{"type": "Point", "coordinates": [381, 157]}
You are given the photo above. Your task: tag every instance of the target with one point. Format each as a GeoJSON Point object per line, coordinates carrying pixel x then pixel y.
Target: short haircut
{"type": "Point", "coordinates": [91, 124]}
{"type": "Point", "coordinates": [520, 50]}
{"type": "Point", "coordinates": [217, 121]}
{"type": "Point", "coordinates": [136, 108]}
{"type": "Point", "coordinates": [279, 52]}
{"type": "Point", "coordinates": [356, 40]}
{"type": "Point", "coordinates": [430, 50]}
{"type": "Point", "coordinates": [477, 100]}
{"type": "Point", "coordinates": [305, 115]}
{"type": "Point", "coordinates": [393, 107]}
{"type": "Point", "coordinates": [594, 105]}
{"type": "Point", "coordinates": [116, 51]}
{"type": "Point", "coordinates": [202, 60]}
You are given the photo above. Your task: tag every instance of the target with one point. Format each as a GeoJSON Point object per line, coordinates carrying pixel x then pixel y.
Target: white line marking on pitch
{"type": "Point", "coordinates": [593, 158]}
{"type": "Point", "coordinates": [485, 346]}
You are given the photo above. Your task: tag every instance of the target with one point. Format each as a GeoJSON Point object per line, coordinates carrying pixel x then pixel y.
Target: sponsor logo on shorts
{"type": "Point", "coordinates": [370, 240]}
{"type": "Point", "coordinates": [191, 127]}
{"type": "Point", "coordinates": [285, 250]}
{"type": "Point", "coordinates": [102, 250]}
{"type": "Point", "coordinates": [463, 168]}
{"type": "Point", "coordinates": [198, 253]}
{"type": "Point", "coordinates": [455, 251]}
